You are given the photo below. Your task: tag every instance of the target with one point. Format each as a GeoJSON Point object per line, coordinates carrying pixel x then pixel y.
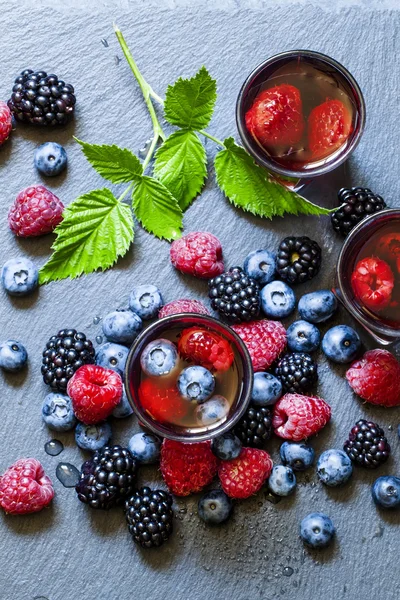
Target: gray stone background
{"type": "Point", "coordinates": [68, 552]}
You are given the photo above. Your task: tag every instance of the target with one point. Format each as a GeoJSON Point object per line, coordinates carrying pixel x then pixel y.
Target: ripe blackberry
{"type": "Point", "coordinates": [255, 427]}
{"type": "Point", "coordinates": [298, 259]}
{"type": "Point", "coordinates": [150, 517]}
{"type": "Point", "coordinates": [63, 355]}
{"type": "Point", "coordinates": [367, 445]}
{"type": "Point", "coordinates": [355, 204]}
{"type": "Point", "coordinates": [297, 372]}
{"type": "Point", "coordinates": [41, 99]}
{"type": "Point", "coordinates": [235, 295]}
{"type": "Point", "coordinates": [108, 478]}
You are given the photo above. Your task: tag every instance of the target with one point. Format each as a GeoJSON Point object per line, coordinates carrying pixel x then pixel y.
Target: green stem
{"type": "Point", "coordinates": [150, 152]}
{"type": "Point", "coordinates": [125, 192]}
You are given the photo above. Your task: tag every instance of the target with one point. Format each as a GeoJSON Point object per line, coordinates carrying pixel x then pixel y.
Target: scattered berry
{"type": "Point", "coordinates": [303, 336]}
{"type": "Point", "coordinates": [162, 404]}
{"type": "Point", "coordinates": [255, 427]}
{"type": "Point", "coordinates": [260, 266]}
{"type": "Point", "coordinates": [212, 411]}
{"type": "Point", "coordinates": [235, 295]}
{"type": "Point", "coordinates": [282, 481]}
{"type": "Point", "coordinates": [214, 507]}
{"type": "Point", "coordinates": [373, 281]}
{"type": "Point", "coordinates": [5, 122]}
{"type": "Point", "coordinates": [183, 306]}
{"type": "Point", "coordinates": [297, 417]}
{"type": "Point", "coordinates": [375, 378]}
{"type": "Point", "coordinates": [299, 456]}
{"type": "Point", "coordinates": [50, 159]}
{"type": "Point", "coordinates": [243, 476]}
{"type": "Point", "coordinates": [317, 530]}
{"type": "Point", "coordinates": [317, 307]}
{"type": "Point", "coordinates": [146, 301]}
{"type": "Point", "coordinates": [297, 372]}
{"type": "Point", "coordinates": [94, 392]}
{"type": "Point", "coordinates": [112, 356]}
{"type": "Point", "coordinates": [277, 300]}
{"type": "Point", "coordinates": [341, 344]}
{"type": "Point", "coordinates": [354, 205]}
{"type": "Point", "coordinates": [205, 348]}
{"type": "Point", "coordinates": [334, 467]}
{"type": "Point", "coordinates": [226, 446]}
{"type": "Point", "coordinates": [122, 326]}
{"type": "Point", "coordinates": [367, 445]}
{"type": "Point", "coordinates": [198, 253]}
{"type": "Point", "coordinates": [265, 341]}
{"type": "Point", "coordinates": [25, 488]}
{"type": "Point", "coordinates": [35, 211]}
{"type": "Point", "coordinates": [187, 468]}
{"type": "Point", "coordinates": [386, 492]}
{"type": "Point", "coordinates": [196, 384]}
{"type": "Point", "coordinates": [19, 276]}
{"type": "Point", "coordinates": [92, 437]}
{"type": "Point", "coordinates": [13, 356]}
{"type": "Point", "coordinates": [389, 249]}
{"type": "Point", "coordinates": [159, 357]}
{"type": "Point", "coordinates": [149, 516]}
{"type": "Point", "coordinates": [57, 412]}
{"type": "Point", "coordinates": [145, 448]}
{"type": "Point", "coordinates": [329, 126]}
{"type": "Point", "coordinates": [267, 389]}
{"type": "Point", "coordinates": [298, 259]}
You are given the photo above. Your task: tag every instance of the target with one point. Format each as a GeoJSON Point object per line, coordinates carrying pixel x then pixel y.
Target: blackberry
{"type": "Point", "coordinates": [149, 516]}
{"type": "Point", "coordinates": [298, 259]}
{"type": "Point", "coordinates": [63, 355]}
{"type": "Point", "coordinates": [108, 478]}
{"type": "Point", "coordinates": [255, 427]}
{"type": "Point", "coordinates": [297, 372]}
{"type": "Point", "coordinates": [355, 204]}
{"type": "Point", "coordinates": [41, 99]}
{"type": "Point", "coordinates": [367, 445]}
{"type": "Point", "coordinates": [235, 295]}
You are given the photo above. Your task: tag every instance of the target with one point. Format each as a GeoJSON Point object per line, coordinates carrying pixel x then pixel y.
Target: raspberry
{"type": "Point", "coordinates": [162, 404]}
{"type": "Point", "coordinates": [389, 249]}
{"type": "Point", "coordinates": [265, 341]}
{"type": "Point", "coordinates": [5, 122]}
{"type": "Point", "coordinates": [187, 468]}
{"type": "Point", "coordinates": [372, 281]}
{"type": "Point", "coordinates": [35, 211]}
{"type": "Point", "coordinates": [184, 305]}
{"type": "Point", "coordinates": [296, 417]}
{"type": "Point", "coordinates": [205, 348]}
{"type": "Point", "coordinates": [329, 126]}
{"type": "Point", "coordinates": [94, 392]}
{"type": "Point", "coordinates": [243, 476]}
{"type": "Point", "coordinates": [24, 487]}
{"type": "Point", "coordinates": [375, 378]}
{"type": "Point", "coordinates": [199, 254]}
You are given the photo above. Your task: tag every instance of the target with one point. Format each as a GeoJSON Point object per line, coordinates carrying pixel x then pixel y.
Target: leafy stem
{"type": "Point", "coordinates": [150, 152]}
{"type": "Point", "coordinates": [125, 192]}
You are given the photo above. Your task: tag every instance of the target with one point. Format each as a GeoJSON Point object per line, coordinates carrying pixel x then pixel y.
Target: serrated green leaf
{"type": "Point", "coordinates": [96, 230]}
{"type": "Point", "coordinates": [247, 186]}
{"type": "Point", "coordinates": [156, 208]}
{"type": "Point", "coordinates": [116, 164]}
{"type": "Point", "coordinates": [180, 165]}
{"type": "Point", "coordinates": [189, 103]}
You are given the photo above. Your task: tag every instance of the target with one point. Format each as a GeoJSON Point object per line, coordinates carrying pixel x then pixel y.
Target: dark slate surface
{"type": "Point", "coordinates": [68, 552]}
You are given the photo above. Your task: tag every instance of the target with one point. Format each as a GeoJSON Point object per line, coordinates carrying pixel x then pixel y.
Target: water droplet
{"type": "Point", "coordinates": [183, 511]}
{"type": "Point", "coordinates": [104, 42]}
{"type": "Point", "coordinates": [67, 474]}
{"type": "Point", "coordinates": [99, 339]}
{"type": "Point", "coordinates": [273, 499]}
{"type": "Point", "coordinates": [378, 532]}
{"type": "Point", "coordinates": [117, 60]}
{"type": "Point", "coordinates": [40, 598]}
{"type": "Point", "coordinates": [288, 571]}
{"type": "Point", "coordinates": [145, 148]}
{"type": "Point", "coordinates": [54, 447]}
{"type": "Point", "coordinates": [96, 320]}
{"type": "Point", "coordinates": [390, 427]}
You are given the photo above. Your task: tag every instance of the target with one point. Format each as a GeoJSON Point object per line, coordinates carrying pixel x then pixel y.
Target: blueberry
{"type": "Point", "coordinates": [297, 455]}
{"type": "Point", "coordinates": [112, 356]}
{"type": "Point", "coordinates": [341, 344]}
{"type": "Point", "coordinates": [92, 437]}
{"type": "Point", "coordinates": [334, 467]}
{"type": "Point", "coordinates": [145, 447]}
{"type": "Point", "coordinates": [196, 383]}
{"type": "Point", "coordinates": [303, 337]}
{"type": "Point", "coordinates": [317, 307]}
{"type": "Point", "coordinates": [226, 446]}
{"type": "Point", "coordinates": [122, 326]}
{"type": "Point", "coordinates": [19, 276]}
{"type": "Point", "coordinates": [214, 507]}
{"type": "Point", "coordinates": [212, 411]}
{"type": "Point", "coordinates": [50, 159]}
{"type": "Point", "coordinates": [159, 357]}
{"type": "Point", "coordinates": [282, 481]}
{"type": "Point", "coordinates": [260, 265]}
{"type": "Point", "coordinates": [267, 389]}
{"type": "Point", "coordinates": [317, 530]}
{"type": "Point", "coordinates": [386, 491]}
{"type": "Point", "coordinates": [146, 301]}
{"type": "Point", "coordinates": [124, 408]}
{"type": "Point", "coordinates": [57, 412]}
{"type": "Point", "coordinates": [277, 300]}
{"type": "Point", "coordinates": [13, 356]}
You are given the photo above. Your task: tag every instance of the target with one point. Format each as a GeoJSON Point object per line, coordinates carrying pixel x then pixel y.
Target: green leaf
{"type": "Point", "coordinates": [189, 103]}
{"type": "Point", "coordinates": [156, 208]}
{"type": "Point", "coordinates": [96, 230]}
{"type": "Point", "coordinates": [181, 166]}
{"type": "Point", "coordinates": [248, 186]}
{"type": "Point", "coordinates": [116, 164]}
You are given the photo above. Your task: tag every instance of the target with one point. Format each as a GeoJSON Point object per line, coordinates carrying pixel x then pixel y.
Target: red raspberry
{"type": "Point", "coordinates": [329, 126]}
{"type": "Point", "coordinates": [375, 378]}
{"type": "Point", "coordinates": [36, 211]}
{"type": "Point", "coordinates": [5, 122]}
{"type": "Point", "coordinates": [199, 254]}
{"type": "Point", "coordinates": [24, 487]}
{"type": "Point", "coordinates": [184, 305]}
{"type": "Point", "coordinates": [243, 476]}
{"type": "Point", "coordinates": [187, 468]}
{"type": "Point", "coordinates": [389, 249]}
{"type": "Point", "coordinates": [205, 348]}
{"type": "Point", "coordinates": [94, 392]}
{"type": "Point", "coordinates": [296, 417]}
{"type": "Point", "coordinates": [163, 404]}
{"type": "Point", "coordinates": [265, 341]}
{"type": "Point", "coordinates": [372, 281]}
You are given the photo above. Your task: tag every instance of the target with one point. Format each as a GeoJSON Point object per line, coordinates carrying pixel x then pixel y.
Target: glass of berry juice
{"type": "Point", "coordinates": [368, 275]}
{"type": "Point", "coordinates": [188, 377]}
{"type": "Point", "coordinates": [300, 114]}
